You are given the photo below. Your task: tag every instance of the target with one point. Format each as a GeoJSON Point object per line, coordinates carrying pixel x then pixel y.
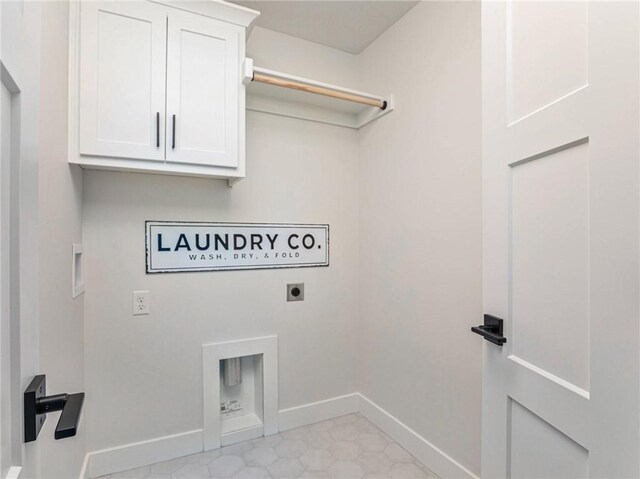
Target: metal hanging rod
{"type": "Point", "coordinates": [270, 77]}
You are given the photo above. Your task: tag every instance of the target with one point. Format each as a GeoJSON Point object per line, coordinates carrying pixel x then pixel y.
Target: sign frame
{"type": "Point", "coordinates": [206, 269]}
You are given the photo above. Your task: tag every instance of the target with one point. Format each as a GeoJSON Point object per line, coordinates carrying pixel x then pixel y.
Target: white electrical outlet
{"type": "Point", "coordinates": [141, 303]}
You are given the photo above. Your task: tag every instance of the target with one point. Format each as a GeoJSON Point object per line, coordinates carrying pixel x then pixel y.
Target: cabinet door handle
{"type": "Point", "coordinates": [158, 130]}
{"type": "Point", "coordinates": [173, 139]}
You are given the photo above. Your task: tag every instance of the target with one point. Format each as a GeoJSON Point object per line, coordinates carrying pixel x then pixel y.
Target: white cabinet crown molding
{"type": "Point", "coordinates": [228, 12]}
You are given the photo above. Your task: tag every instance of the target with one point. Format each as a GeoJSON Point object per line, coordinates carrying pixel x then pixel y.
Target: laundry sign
{"type": "Point", "coordinates": [183, 246]}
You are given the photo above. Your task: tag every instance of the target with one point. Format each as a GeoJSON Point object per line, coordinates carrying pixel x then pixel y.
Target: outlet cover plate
{"type": "Point", "coordinates": [141, 304]}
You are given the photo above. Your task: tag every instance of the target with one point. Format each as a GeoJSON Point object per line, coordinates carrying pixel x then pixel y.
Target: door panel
{"type": "Point", "coordinates": [550, 263]}
{"type": "Point", "coordinates": [537, 450]}
{"type": "Point", "coordinates": [537, 78]}
{"type": "Point", "coordinates": [561, 233]}
{"type": "Point", "coordinates": [122, 79]}
{"type": "Point", "coordinates": [202, 91]}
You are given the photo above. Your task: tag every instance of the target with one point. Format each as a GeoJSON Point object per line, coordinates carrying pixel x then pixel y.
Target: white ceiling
{"type": "Point", "coordinates": [346, 25]}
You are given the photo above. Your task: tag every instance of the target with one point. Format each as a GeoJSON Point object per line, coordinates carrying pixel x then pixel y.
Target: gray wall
{"type": "Point", "coordinates": [389, 318]}
{"type": "Point", "coordinates": [60, 211]}
{"type": "Point", "coordinates": [144, 373]}
{"type": "Point", "coordinates": [420, 227]}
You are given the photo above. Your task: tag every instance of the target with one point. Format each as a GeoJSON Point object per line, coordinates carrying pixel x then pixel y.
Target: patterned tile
{"type": "Point", "coordinates": [318, 439]}
{"type": "Point", "coordinates": [323, 426]}
{"type": "Point", "coordinates": [317, 459]}
{"type": "Point", "coordinates": [291, 448]}
{"type": "Point", "coordinates": [348, 419]}
{"type": "Point", "coordinates": [286, 468]}
{"type": "Point", "coordinates": [297, 433]}
{"type": "Point", "coordinates": [169, 467]}
{"type": "Point", "coordinates": [268, 441]}
{"type": "Point", "coordinates": [375, 462]}
{"type": "Point", "coordinates": [366, 427]}
{"type": "Point", "coordinates": [192, 471]}
{"type": "Point", "coordinates": [344, 432]}
{"type": "Point", "coordinates": [345, 450]}
{"type": "Point", "coordinates": [405, 470]}
{"type": "Point", "coordinates": [315, 475]}
{"type": "Point", "coordinates": [346, 447]}
{"type": "Point", "coordinates": [260, 456]}
{"type": "Point", "coordinates": [137, 473]}
{"type": "Point", "coordinates": [371, 442]}
{"type": "Point", "coordinates": [346, 469]}
{"type": "Point", "coordinates": [204, 457]}
{"type": "Point", "coordinates": [397, 454]}
{"type": "Point", "coordinates": [226, 466]}
{"type": "Point", "coordinates": [237, 449]}
{"type": "Point", "coordinates": [252, 473]}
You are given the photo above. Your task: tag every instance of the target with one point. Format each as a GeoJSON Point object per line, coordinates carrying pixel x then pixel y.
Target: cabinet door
{"type": "Point", "coordinates": [203, 81]}
{"type": "Point", "coordinates": [122, 79]}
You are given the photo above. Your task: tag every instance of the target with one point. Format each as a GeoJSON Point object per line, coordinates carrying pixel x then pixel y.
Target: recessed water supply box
{"type": "Point", "coordinates": [241, 398]}
{"type": "Point", "coordinates": [240, 391]}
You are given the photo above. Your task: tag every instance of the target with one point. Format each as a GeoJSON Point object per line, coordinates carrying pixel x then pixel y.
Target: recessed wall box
{"type": "Point", "coordinates": [295, 292]}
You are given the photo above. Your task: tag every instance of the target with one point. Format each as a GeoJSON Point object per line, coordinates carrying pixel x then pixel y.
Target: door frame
{"type": "Point", "coordinates": [10, 376]}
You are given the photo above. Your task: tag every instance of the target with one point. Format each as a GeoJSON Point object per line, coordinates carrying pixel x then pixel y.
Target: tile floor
{"type": "Point", "coordinates": [347, 447]}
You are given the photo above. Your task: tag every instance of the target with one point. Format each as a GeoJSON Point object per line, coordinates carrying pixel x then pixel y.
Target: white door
{"type": "Point", "coordinates": [561, 239]}
{"type": "Point", "coordinates": [203, 81]}
{"type": "Point", "coordinates": [122, 79]}
{"type": "Point", "coordinates": [11, 452]}
{"type": "Point", "coordinates": [5, 331]}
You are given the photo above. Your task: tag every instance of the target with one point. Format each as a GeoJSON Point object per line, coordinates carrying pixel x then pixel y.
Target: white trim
{"type": "Point", "coordinates": [143, 453]}
{"type": "Point", "coordinates": [155, 168]}
{"type": "Point", "coordinates": [220, 10]}
{"type": "Point", "coordinates": [427, 453]}
{"type": "Point", "coordinates": [13, 472]}
{"type": "Point", "coordinates": [212, 354]}
{"type": "Point", "coordinates": [298, 416]}
{"type": "Point", "coordinates": [130, 456]}
{"type": "Point", "coordinates": [240, 435]}
{"type": "Point", "coordinates": [551, 377]}
{"type": "Point", "coordinates": [77, 270]}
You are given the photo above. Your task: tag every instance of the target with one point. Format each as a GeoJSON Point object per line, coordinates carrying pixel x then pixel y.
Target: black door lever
{"type": "Point", "coordinates": [37, 404]}
{"type": "Point", "coordinates": [491, 330]}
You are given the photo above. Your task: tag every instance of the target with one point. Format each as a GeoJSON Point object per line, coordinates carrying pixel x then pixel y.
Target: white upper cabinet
{"type": "Point", "coordinates": [158, 89]}
{"type": "Point", "coordinates": [203, 80]}
{"type": "Point", "coordinates": [122, 86]}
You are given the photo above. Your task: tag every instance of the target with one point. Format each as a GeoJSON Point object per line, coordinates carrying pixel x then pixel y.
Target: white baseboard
{"type": "Point", "coordinates": [13, 472]}
{"type": "Point", "coordinates": [130, 456]}
{"type": "Point", "coordinates": [143, 453]}
{"type": "Point", "coordinates": [245, 434]}
{"type": "Point", "coordinates": [317, 411]}
{"type": "Point", "coordinates": [432, 457]}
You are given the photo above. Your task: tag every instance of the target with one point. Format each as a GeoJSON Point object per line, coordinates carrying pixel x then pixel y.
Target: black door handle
{"type": "Point", "coordinates": [173, 136]}
{"type": "Point", "coordinates": [158, 130]}
{"type": "Point", "coordinates": [37, 404]}
{"type": "Point", "coordinates": [491, 330]}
